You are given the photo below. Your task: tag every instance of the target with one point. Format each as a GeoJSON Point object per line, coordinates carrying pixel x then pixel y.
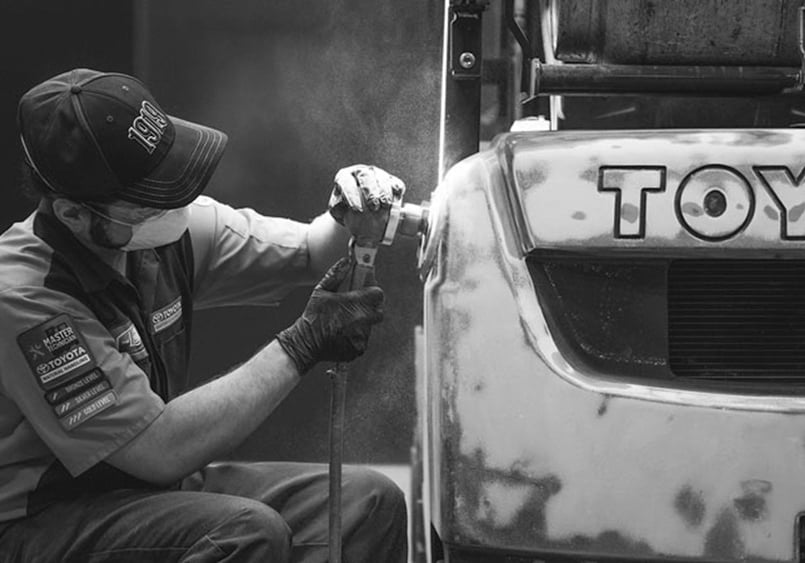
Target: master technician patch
{"type": "Point", "coordinates": [56, 351]}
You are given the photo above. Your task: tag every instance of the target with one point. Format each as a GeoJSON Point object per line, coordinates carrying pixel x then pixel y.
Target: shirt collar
{"type": "Point", "coordinates": [92, 273]}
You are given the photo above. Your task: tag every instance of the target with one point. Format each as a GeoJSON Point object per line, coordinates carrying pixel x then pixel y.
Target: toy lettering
{"type": "Point", "coordinates": [713, 202]}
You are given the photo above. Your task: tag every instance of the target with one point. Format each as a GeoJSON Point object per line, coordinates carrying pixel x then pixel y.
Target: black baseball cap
{"type": "Point", "coordinates": [96, 136]}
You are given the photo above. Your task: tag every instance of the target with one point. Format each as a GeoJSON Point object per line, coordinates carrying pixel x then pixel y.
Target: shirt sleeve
{"type": "Point", "coordinates": [62, 369]}
{"type": "Point", "coordinates": [244, 258]}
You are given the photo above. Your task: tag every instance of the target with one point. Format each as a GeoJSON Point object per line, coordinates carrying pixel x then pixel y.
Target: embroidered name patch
{"type": "Point", "coordinates": [167, 315]}
{"type": "Point", "coordinates": [55, 351]}
{"type": "Point", "coordinates": [78, 400]}
{"type": "Point", "coordinates": [87, 393]}
{"type": "Point", "coordinates": [75, 386]}
{"type": "Point", "coordinates": [86, 412]}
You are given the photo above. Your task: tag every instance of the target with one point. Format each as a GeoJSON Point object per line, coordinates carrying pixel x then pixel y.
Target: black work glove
{"type": "Point", "coordinates": [334, 326]}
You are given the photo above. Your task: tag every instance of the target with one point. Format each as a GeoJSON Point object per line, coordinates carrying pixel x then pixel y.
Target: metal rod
{"type": "Point", "coordinates": [802, 46]}
{"type": "Point", "coordinates": [593, 79]}
{"type": "Point", "coordinates": [338, 378]}
{"type": "Point", "coordinates": [461, 91]}
{"type": "Point", "coordinates": [527, 52]}
{"type": "Point", "coordinates": [516, 30]}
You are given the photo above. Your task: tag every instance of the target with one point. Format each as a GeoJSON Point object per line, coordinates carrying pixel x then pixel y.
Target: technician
{"type": "Point", "coordinates": [105, 454]}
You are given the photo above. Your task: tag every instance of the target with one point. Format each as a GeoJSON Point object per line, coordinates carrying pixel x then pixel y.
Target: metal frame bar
{"type": "Point", "coordinates": [461, 113]}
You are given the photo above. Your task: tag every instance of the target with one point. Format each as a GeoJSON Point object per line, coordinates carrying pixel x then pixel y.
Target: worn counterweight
{"type": "Point", "coordinates": [530, 448]}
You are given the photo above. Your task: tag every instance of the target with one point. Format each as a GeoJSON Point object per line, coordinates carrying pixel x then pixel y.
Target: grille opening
{"type": "Point", "coordinates": [608, 317]}
{"type": "Point", "coordinates": [720, 324]}
{"type": "Point", "coordinates": [737, 319]}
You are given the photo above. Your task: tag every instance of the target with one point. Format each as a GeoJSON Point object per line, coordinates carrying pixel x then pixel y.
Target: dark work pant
{"type": "Point", "coordinates": [230, 511]}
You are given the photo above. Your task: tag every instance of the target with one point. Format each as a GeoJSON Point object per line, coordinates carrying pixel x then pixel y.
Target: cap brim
{"type": "Point", "coordinates": [184, 172]}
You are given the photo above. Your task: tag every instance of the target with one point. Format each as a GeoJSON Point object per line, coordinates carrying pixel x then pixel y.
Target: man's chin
{"type": "Point", "coordinates": [100, 238]}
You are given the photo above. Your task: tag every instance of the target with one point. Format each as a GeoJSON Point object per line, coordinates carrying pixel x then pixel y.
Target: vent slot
{"type": "Point", "coordinates": [737, 319]}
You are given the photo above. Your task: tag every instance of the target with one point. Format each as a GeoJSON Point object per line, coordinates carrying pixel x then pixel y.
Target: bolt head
{"type": "Point", "coordinates": [466, 60]}
{"type": "Point", "coordinates": [715, 203]}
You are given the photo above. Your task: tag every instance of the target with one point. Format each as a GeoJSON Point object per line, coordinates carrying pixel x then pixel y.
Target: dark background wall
{"type": "Point", "coordinates": [39, 39]}
{"type": "Point", "coordinates": [302, 88]}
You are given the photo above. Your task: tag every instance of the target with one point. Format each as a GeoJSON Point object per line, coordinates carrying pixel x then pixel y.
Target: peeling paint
{"type": "Point", "coordinates": [689, 503]}
{"type": "Point", "coordinates": [530, 178]}
{"type": "Point", "coordinates": [500, 503]}
{"type": "Point", "coordinates": [752, 505]}
{"type": "Point", "coordinates": [630, 213]}
{"type": "Point", "coordinates": [795, 212]}
{"type": "Point", "coordinates": [602, 408]}
{"type": "Point", "coordinates": [724, 538]}
{"type": "Point", "coordinates": [590, 174]}
{"type": "Point", "coordinates": [508, 503]}
{"type": "Point", "coordinates": [692, 209]}
{"type": "Point", "coordinates": [532, 453]}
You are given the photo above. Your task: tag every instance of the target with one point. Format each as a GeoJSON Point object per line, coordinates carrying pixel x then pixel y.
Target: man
{"type": "Point", "coordinates": [104, 454]}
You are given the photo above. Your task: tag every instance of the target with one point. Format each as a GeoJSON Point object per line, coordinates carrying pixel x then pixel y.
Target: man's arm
{"type": "Point", "coordinates": [244, 258]}
{"type": "Point", "coordinates": [327, 242]}
{"type": "Point", "coordinates": [205, 423]}
{"type": "Point", "coordinates": [201, 425]}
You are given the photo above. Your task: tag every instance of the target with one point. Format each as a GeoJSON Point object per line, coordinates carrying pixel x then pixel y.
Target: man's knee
{"type": "Point", "coordinates": [252, 532]}
{"type": "Point", "coordinates": [377, 493]}
{"type": "Point", "coordinates": [374, 510]}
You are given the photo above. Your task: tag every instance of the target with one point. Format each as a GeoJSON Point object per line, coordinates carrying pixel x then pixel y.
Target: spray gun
{"type": "Point", "coordinates": [370, 231]}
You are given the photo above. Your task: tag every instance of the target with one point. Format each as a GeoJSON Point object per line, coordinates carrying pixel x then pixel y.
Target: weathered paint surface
{"type": "Point", "coordinates": [650, 190]}
{"type": "Point", "coordinates": [530, 454]}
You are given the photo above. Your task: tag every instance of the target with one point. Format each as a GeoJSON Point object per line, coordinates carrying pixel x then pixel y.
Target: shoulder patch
{"type": "Point", "coordinates": [129, 341]}
{"type": "Point", "coordinates": [56, 351]}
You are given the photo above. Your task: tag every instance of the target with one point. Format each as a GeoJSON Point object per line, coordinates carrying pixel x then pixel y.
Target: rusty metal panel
{"type": "Point", "coordinates": [534, 455]}
{"type": "Point", "coordinates": [698, 32]}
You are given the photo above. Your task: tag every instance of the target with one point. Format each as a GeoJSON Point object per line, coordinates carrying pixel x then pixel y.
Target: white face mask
{"type": "Point", "coordinates": [160, 230]}
{"type": "Point", "coordinates": [156, 231]}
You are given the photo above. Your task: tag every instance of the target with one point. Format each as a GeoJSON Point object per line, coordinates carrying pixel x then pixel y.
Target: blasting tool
{"type": "Point", "coordinates": [370, 230]}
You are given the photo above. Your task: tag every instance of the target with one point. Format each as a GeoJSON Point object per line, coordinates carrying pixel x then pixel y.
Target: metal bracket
{"type": "Point", "coordinates": [465, 38]}
{"type": "Point", "coordinates": [363, 264]}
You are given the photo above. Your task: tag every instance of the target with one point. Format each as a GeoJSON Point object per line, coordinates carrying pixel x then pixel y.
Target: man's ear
{"type": "Point", "coordinates": [72, 214]}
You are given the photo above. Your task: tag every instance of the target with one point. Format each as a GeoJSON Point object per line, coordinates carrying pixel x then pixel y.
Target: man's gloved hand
{"type": "Point", "coordinates": [362, 188]}
{"type": "Point", "coordinates": [334, 326]}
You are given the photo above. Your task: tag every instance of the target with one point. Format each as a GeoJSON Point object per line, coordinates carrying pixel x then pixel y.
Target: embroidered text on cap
{"type": "Point", "coordinates": [148, 127]}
